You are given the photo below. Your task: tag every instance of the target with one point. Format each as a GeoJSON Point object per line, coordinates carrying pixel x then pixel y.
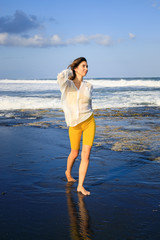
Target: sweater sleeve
{"type": "Point", "coordinates": [62, 78]}
{"type": "Point", "coordinates": [90, 87]}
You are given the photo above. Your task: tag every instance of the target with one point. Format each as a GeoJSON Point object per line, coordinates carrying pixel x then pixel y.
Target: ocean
{"type": "Point", "coordinates": [129, 108]}
{"type": "Point", "coordinates": [107, 93]}
{"type": "Point", "coordinates": [36, 201]}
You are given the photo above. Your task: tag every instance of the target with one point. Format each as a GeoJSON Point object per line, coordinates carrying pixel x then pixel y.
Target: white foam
{"type": "Point", "coordinates": [41, 94]}
{"type": "Point", "coordinates": [112, 101]}
{"type": "Point", "coordinates": [28, 85]}
{"type": "Point", "coordinates": [125, 83]}
{"type": "Point", "coordinates": [38, 85]}
{"type": "Point", "coordinates": [127, 99]}
{"type": "Point", "coordinates": [13, 103]}
{"type": "Point", "coordinates": [26, 81]}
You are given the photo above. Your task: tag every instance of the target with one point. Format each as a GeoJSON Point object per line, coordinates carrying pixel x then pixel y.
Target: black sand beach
{"type": "Point", "coordinates": [37, 203]}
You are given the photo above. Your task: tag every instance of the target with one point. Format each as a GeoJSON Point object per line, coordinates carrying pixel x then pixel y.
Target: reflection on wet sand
{"type": "Point", "coordinates": [78, 215]}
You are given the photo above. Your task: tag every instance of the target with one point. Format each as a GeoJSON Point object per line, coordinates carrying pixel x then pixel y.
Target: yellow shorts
{"type": "Point", "coordinates": [88, 128]}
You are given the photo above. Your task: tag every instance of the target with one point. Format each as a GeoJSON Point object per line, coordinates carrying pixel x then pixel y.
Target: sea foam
{"type": "Point", "coordinates": [107, 93]}
{"type": "Point", "coordinates": [125, 83]}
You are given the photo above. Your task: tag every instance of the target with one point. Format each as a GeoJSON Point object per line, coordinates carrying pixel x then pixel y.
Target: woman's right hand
{"type": "Point", "coordinates": [70, 73]}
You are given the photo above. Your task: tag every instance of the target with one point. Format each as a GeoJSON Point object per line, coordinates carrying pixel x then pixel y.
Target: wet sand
{"type": "Point", "coordinates": [36, 202]}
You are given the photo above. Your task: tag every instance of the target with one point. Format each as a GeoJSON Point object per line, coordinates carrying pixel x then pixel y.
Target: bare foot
{"type": "Point", "coordinates": [69, 177]}
{"type": "Point", "coordinates": [83, 191]}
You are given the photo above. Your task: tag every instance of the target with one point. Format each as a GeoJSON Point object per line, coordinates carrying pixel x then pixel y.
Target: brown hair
{"type": "Point", "coordinates": [75, 64]}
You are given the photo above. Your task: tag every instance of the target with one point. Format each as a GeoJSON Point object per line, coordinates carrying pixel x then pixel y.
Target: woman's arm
{"type": "Point", "coordinates": [62, 78]}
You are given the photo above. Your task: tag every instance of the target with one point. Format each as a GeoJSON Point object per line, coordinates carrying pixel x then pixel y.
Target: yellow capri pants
{"type": "Point", "coordinates": [88, 128]}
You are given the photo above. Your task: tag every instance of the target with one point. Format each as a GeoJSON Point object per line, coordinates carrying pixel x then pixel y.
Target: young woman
{"type": "Point", "coordinates": [77, 106]}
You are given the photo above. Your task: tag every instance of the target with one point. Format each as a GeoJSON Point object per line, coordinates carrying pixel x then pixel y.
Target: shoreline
{"type": "Point", "coordinates": [36, 201]}
{"type": "Point", "coordinates": [127, 129]}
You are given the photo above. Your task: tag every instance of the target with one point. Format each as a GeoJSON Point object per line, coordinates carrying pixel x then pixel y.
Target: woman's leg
{"type": "Point", "coordinates": [89, 128]}
{"type": "Point", "coordinates": [83, 168]}
{"type": "Point", "coordinates": [75, 137]}
{"type": "Point", "coordinates": [70, 161]}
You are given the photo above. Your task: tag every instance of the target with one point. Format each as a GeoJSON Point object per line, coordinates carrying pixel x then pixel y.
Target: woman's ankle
{"type": "Point", "coordinates": [69, 177]}
{"type": "Point", "coordinates": [83, 190]}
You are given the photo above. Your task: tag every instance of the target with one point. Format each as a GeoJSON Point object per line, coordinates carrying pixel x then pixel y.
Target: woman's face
{"type": "Point", "coordinates": [82, 69]}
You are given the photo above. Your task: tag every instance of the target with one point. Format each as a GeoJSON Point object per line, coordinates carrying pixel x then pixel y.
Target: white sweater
{"type": "Point", "coordinates": [77, 103]}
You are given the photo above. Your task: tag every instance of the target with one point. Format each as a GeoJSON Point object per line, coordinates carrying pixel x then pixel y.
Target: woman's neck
{"type": "Point", "coordinates": [78, 78]}
{"type": "Point", "coordinates": [77, 81]}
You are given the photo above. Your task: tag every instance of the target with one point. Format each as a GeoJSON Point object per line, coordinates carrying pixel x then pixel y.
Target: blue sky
{"type": "Point", "coordinates": [119, 38]}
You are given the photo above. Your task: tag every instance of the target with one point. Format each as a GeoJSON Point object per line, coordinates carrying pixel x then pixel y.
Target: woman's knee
{"type": "Point", "coordinates": [74, 153]}
{"type": "Point", "coordinates": [86, 152]}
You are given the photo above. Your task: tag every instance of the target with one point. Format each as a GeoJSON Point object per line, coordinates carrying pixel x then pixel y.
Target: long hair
{"type": "Point", "coordinates": [75, 64]}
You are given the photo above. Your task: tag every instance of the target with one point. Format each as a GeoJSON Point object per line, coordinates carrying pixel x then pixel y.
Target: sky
{"type": "Point", "coordinates": [119, 38]}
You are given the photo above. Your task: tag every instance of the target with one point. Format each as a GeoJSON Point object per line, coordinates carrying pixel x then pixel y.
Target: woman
{"type": "Point", "coordinates": [77, 106]}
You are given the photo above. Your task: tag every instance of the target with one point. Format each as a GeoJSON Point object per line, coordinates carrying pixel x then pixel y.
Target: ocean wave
{"type": "Point", "coordinates": [102, 101]}
{"type": "Point", "coordinates": [27, 81]}
{"type": "Point", "coordinates": [107, 93]}
{"type": "Point", "coordinates": [125, 83]}
{"type": "Point", "coordinates": [28, 85]}
{"type": "Point", "coordinates": [13, 103]}
{"type": "Point", "coordinates": [100, 83]}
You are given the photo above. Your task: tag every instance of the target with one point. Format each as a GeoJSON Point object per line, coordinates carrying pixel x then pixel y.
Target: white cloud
{"type": "Point", "coordinates": [101, 39]}
{"type": "Point", "coordinates": [35, 41]}
{"type": "Point", "coordinates": [3, 38]}
{"type": "Point", "coordinates": [81, 39]}
{"type": "Point", "coordinates": [12, 28]}
{"type": "Point", "coordinates": [53, 41]}
{"type": "Point", "coordinates": [132, 36]}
